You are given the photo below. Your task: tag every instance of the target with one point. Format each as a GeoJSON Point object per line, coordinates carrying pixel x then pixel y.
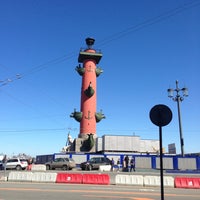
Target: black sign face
{"type": "Point", "coordinates": [160, 115]}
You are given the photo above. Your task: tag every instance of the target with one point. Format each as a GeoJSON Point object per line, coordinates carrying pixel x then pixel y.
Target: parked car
{"type": "Point", "coordinates": [63, 163]}
{"type": "Point", "coordinates": [94, 163]}
{"type": "Point", "coordinates": [16, 163]}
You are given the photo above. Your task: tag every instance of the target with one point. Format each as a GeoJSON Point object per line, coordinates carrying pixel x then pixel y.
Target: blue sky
{"type": "Point", "coordinates": [147, 45]}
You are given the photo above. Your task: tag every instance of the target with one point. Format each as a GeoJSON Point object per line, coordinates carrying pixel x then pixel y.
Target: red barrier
{"type": "Point", "coordinates": [69, 178]}
{"type": "Point", "coordinates": [103, 179]}
{"type": "Point", "coordinates": [187, 182]}
{"type": "Point", "coordinates": [29, 167]}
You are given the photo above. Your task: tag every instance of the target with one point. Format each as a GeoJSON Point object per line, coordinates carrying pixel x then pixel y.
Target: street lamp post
{"type": "Point", "coordinates": [178, 98]}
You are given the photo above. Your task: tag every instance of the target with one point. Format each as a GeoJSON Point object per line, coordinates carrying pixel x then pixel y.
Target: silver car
{"type": "Point", "coordinates": [16, 163]}
{"type": "Point", "coordinates": [63, 163]}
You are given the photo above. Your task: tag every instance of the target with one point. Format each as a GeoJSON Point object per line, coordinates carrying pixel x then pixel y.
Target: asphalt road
{"type": "Point", "coordinates": [52, 191]}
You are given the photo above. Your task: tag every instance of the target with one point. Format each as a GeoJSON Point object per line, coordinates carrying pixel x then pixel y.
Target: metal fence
{"type": "Point", "coordinates": [170, 162]}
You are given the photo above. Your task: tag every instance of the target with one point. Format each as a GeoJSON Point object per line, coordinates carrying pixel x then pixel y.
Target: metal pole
{"type": "Point", "coordinates": [180, 127]}
{"type": "Point", "coordinates": [161, 165]}
{"type": "Point", "coordinates": [178, 99]}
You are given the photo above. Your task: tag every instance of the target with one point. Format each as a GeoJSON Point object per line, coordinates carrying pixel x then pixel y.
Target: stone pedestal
{"type": "Point", "coordinates": [82, 145]}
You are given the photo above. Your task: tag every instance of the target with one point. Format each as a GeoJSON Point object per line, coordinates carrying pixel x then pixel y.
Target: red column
{"type": "Point", "coordinates": [88, 104]}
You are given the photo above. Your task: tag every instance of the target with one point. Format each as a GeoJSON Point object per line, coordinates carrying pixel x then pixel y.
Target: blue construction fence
{"type": "Point", "coordinates": [148, 161]}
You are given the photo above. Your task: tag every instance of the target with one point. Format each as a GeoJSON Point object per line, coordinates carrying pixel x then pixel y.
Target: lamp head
{"type": "Point", "coordinates": [185, 91]}
{"type": "Point", "coordinates": [170, 92]}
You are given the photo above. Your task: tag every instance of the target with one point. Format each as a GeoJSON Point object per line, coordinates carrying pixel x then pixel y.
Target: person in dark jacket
{"type": "Point", "coordinates": [126, 160]}
{"type": "Point", "coordinates": [112, 165]}
{"type": "Point", "coordinates": [132, 163]}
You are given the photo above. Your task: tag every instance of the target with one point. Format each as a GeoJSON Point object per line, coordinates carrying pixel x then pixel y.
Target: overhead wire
{"type": "Point", "coordinates": [36, 68]}
{"type": "Point", "coordinates": [137, 27]}
{"type": "Point", "coordinates": [149, 22]}
{"type": "Point", "coordinates": [117, 131]}
{"type": "Point", "coordinates": [50, 62]}
{"type": "Point", "coordinates": [37, 111]}
{"type": "Point", "coordinates": [164, 16]}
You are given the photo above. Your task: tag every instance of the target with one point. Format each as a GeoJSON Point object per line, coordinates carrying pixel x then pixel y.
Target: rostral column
{"type": "Point", "coordinates": [88, 117]}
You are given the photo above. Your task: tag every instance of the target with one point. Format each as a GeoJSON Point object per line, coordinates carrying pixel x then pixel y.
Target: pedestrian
{"type": "Point", "coordinates": [4, 161]}
{"type": "Point", "coordinates": [124, 165]}
{"type": "Point", "coordinates": [118, 165]}
{"type": "Point", "coordinates": [132, 162]}
{"type": "Point", "coordinates": [126, 159]}
{"type": "Point", "coordinates": [112, 164]}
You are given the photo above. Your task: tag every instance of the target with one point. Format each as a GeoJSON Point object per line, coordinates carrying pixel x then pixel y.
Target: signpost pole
{"type": "Point", "coordinates": [161, 115]}
{"type": "Point", "coordinates": [161, 164]}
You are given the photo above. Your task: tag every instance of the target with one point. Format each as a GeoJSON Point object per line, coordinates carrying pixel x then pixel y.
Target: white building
{"type": "Point", "coordinates": [121, 143]}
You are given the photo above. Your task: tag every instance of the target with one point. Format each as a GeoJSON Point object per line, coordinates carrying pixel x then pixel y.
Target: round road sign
{"type": "Point", "coordinates": [160, 115]}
